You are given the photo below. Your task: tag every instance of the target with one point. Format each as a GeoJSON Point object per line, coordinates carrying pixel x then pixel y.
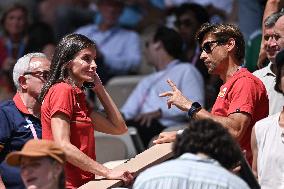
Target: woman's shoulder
{"type": "Point", "coordinates": [61, 87]}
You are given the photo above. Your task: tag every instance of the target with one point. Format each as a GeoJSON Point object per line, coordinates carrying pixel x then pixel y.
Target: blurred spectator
{"type": "Point", "coordinates": [218, 10]}
{"type": "Point", "coordinates": [41, 163]}
{"type": "Point", "coordinates": [13, 42]}
{"type": "Point", "coordinates": [189, 18]}
{"type": "Point", "coordinates": [20, 116]}
{"type": "Point", "coordinates": [118, 50]}
{"type": "Point", "coordinates": [69, 17]}
{"type": "Point", "coordinates": [7, 89]}
{"type": "Point", "coordinates": [205, 153]}
{"type": "Point", "coordinates": [68, 13]}
{"type": "Point", "coordinates": [41, 39]}
{"type": "Point", "coordinates": [273, 32]}
{"type": "Point", "coordinates": [15, 23]}
{"type": "Point", "coordinates": [267, 140]}
{"type": "Point", "coordinates": [250, 15]}
{"type": "Point", "coordinates": [144, 109]}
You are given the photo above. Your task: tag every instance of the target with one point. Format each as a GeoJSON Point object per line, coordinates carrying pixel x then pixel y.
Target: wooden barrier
{"type": "Point", "coordinates": [152, 156]}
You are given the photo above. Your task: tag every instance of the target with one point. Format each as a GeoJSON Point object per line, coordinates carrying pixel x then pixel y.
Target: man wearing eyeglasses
{"type": "Point", "coordinates": [242, 99]}
{"type": "Point", "coordinates": [20, 117]}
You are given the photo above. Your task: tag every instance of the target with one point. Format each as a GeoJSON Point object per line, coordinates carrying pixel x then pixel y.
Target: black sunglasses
{"type": "Point", "coordinates": [43, 74]}
{"type": "Point", "coordinates": [207, 46]}
{"type": "Point", "coordinates": [186, 22]}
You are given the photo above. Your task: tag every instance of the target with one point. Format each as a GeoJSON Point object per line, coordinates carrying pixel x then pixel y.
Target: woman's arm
{"type": "Point", "coordinates": [61, 133]}
{"type": "Point", "coordinates": [254, 150]}
{"type": "Point", "coordinates": [113, 123]}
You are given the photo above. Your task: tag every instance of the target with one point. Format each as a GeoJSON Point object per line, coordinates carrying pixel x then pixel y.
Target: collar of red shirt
{"type": "Point", "coordinates": [20, 104]}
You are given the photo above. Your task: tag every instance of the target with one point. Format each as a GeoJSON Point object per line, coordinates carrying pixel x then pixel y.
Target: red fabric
{"type": "Point", "coordinates": [20, 104]}
{"type": "Point", "coordinates": [71, 101]}
{"type": "Point", "coordinates": [243, 92]}
{"type": "Point", "coordinates": [3, 52]}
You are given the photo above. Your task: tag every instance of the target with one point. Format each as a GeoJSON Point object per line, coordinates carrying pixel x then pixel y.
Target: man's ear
{"type": "Point", "coordinates": [157, 45]}
{"type": "Point", "coordinates": [231, 44]}
{"type": "Point", "coordinates": [22, 82]}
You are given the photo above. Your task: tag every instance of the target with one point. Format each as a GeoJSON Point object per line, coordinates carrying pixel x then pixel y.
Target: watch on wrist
{"type": "Point", "coordinates": [195, 107]}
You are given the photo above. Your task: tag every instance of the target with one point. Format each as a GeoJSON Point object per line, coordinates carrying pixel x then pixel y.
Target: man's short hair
{"type": "Point", "coordinates": [23, 65]}
{"type": "Point", "coordinates": [270, 21]}
{"type": "Point", "coordinates": [210, 138]}
{"type": "Point", "coordinates": [224, 32]}
{"type": "Point", "coordinates": [171, 41]}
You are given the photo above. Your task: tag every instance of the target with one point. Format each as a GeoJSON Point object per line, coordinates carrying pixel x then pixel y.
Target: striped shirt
{"type": "Point", "coordinates": [189, 171]}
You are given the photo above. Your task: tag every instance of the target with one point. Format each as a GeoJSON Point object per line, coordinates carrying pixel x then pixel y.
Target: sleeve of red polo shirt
{"type": "Point", "coordinates": [242, 96]}
{"type": "Point", "coordinates": [62, 99]}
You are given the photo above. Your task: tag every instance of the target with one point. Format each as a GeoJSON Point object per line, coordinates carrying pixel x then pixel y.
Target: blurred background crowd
{"type": "Point", "coordinates": [37, 26]}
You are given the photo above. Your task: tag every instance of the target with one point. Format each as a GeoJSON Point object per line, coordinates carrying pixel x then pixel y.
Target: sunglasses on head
{"type": "Point", "coordinates": [185, 22]}
{"type": "Point", "coordinates": [207, 47]}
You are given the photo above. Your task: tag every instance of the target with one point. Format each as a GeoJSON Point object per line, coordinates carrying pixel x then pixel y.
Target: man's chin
{"type": "Point", "coordinates": [32, 186]}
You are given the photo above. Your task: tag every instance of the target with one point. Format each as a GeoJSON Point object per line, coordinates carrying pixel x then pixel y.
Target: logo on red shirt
{"type": "Point", "coordinates": [222, 93]}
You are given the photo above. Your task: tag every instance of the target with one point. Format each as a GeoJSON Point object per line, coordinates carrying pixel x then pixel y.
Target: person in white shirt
{"type": "Point", "coordinates": [273, 43]}
{"type": "Point", "coordinates": [267, 140]}
{"type": "Point", "coordinates": [118, 49]}
{"type": "Point", "coordinates": [144, 109]}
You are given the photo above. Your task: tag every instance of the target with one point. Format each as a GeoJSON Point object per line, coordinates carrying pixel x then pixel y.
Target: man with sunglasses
{"type": "Point", "coordinates": [20, 117]}
{"type": "Point", "coordinates": [242, 99]}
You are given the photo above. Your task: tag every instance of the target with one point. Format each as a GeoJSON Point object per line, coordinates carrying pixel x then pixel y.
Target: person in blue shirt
{"type": "Point", "coordinates": [20, 116]}
{"type": "Point", "coordinates": [118, 49]}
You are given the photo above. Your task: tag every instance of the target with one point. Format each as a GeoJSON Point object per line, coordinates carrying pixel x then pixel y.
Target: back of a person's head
{"type": "Point", "coordinates": [210, 138]}
{"type": "Point", "coordinates": [200, 13]}
{"type": "Point", "coordinates": [170, 39]}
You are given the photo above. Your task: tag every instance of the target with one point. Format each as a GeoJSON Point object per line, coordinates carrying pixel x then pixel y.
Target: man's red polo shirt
{"type": "Point", "coordinates": [71, 101]}
{"type": "Point", "coordinates": [243, 92]}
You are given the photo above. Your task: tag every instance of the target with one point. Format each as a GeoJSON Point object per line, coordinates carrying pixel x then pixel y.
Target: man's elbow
{"type": "Point", "coordinates": [237, 134]}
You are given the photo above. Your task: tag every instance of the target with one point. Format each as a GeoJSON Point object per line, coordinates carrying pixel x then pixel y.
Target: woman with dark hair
{"type": "Point", "coordinates": [14, 22]}
{"type": "Point", "coordinates": [65, 115]}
